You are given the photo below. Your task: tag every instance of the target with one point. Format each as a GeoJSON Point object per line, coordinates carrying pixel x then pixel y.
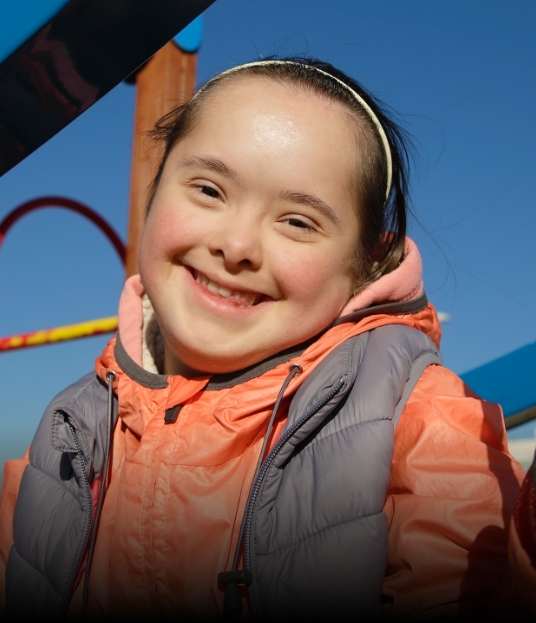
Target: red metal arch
{"type": "Point", "coordinates": [69, 204]}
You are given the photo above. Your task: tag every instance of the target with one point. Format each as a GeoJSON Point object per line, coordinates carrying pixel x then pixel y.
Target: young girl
{"type": "Point", "coordinates": [283, 436]}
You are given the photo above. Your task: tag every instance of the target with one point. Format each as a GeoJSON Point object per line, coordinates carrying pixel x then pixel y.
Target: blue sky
{"type": "Point", "coordinates": [461, 76]}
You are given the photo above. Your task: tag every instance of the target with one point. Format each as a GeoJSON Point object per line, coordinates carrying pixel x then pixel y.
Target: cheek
{"type": "Point", "coordinates": [319, 284]}
{"type": "Point", "coordinates": [166, 233]}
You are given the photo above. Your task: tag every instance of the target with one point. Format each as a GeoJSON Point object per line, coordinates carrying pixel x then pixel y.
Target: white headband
{"type": "Point", "coordinates": [360, 100]}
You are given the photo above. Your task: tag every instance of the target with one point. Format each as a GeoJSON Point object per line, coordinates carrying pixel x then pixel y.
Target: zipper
{"type": "Point", "coordinates": [255, 489]}
{"type": "Point", "coordinates": [87, 528]}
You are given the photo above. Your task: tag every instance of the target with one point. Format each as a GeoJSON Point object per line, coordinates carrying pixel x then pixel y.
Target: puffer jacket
{"type": "Point", "coordinates": [446, 514]}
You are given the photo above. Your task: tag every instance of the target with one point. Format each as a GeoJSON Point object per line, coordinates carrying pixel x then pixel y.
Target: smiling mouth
{"type": "Point", "coordinates": [240, 298]}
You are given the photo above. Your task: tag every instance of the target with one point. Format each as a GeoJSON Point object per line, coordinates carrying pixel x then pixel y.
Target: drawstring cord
{"type": "Point", "coordinates": [110, 377]}
{"type": "Point", "coordinates": [232, 602]}
{"type": "Point", "coordinates": [232, 605]}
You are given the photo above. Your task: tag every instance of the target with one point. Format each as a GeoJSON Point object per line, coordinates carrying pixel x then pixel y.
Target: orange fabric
{"type": "Point", "coordinates": [452, 491]}
{"type": "Point", "coordinates": [177, 494]}
{"type": "Point", "coordinates": [10, 488]}
{"type": "Point", "coordinates": [196, 473]}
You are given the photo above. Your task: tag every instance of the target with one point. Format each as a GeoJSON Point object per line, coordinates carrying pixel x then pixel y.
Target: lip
{"type": "Point", "coordinates": [221, 304]}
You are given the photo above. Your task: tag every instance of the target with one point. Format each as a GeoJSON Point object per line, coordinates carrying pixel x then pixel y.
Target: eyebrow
{"type": "Point", "coordinates": [312, 201]}
{"type": "Point", "coordinates": [218, 166]}
{"type": "Point", "coordinates": [212, 164]}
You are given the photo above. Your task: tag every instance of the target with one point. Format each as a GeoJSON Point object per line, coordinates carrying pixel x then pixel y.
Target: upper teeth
{"type": "Point", "coordinates": [238, 297]}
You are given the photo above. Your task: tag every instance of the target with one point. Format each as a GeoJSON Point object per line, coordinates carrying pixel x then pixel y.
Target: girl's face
{"type": "Point", "coordinates": [248, 246]}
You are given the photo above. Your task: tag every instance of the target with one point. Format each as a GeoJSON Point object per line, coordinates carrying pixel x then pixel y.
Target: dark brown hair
{"type": "Point", "coordinates": [382, 221]}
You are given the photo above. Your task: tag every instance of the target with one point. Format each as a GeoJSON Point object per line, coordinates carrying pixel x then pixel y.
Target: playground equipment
{"type": "Point", "coordinates": [82, 52]}
{"type": "Point", "coordinates": [68, 204]}
{"type": "Point", "coordinates": [59, 334]}
{"type": "Point", "coordinates": [59, 57]}
{"type": "Point", "coordinates": [67, 332]}
{"type": "Point", "coordinates": [509, 381]}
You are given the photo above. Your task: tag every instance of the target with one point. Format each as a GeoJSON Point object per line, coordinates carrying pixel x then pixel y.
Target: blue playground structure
{"type": "Point", "coordinates": [57, 58]}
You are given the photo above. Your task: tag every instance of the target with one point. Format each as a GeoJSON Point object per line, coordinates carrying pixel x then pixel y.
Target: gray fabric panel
{"type": "Point", "coordinates": [343, 361]}
{"type": "Point", "coordinates": [53, 541]}
{"type": "Point", "coordinates": [309, 516]}
{"type": "Point", "coordinates": [340, 365]}
{"type": "Point", "coordinates": [29, 595]}
{"type": "Point", "coordinates": [86, 404]}
{"type": "Point", "coordinates": [42, 452]}
{"type": "Point", "coordinates": [349, 580]}
{"type": "Point", "coordinates": [311, 496]}
{"type": "Point", "coordinates": [53, 510]}
{"type": "Point", "coordinates": [381, 382]}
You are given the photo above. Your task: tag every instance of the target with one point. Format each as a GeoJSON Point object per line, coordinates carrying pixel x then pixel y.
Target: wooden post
{"type": "Point", "coordinates": [166, 81]}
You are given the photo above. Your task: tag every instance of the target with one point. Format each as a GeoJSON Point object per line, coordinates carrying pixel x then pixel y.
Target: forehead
{"type": "Point", "coordinates": [255, 89]}
{"type": "Point", "coordinates": [280, 116]}
{"type": "Point", "coordinates": [272, 140]}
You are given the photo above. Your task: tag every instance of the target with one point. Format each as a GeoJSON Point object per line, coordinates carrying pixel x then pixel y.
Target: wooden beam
{"type": "Point", "coordinates": [520, 418]}
{"type": "Point", "coordinates": [165, 82]}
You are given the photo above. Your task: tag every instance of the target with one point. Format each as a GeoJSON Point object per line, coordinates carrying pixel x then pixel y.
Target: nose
{"type": "Point", "coordinates": [238, 242]}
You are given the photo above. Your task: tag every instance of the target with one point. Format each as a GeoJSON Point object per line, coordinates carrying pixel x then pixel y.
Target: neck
{"type": "Point", "coordinates": [173, 365]}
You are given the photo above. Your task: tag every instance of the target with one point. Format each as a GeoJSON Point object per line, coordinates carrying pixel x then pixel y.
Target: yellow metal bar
{"type": "Point", "coordinates": [59, 334]}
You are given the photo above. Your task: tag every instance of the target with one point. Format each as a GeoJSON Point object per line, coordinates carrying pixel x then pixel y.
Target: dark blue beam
{"type": "Point", "coordinates": [85, 50]}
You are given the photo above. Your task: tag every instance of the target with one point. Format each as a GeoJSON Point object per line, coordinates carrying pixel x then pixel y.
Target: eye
{"type": "Point", "coordinates": [300, 224]}
{"type": "Point", "coordinates": [209, 191]}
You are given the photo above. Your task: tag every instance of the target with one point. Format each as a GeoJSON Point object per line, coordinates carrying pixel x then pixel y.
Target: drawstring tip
{"type": "Point", "coordinates": [232, 601]}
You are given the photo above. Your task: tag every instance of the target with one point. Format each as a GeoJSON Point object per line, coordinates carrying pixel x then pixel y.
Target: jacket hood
{"type": "Point", "coordinates": [401, 285]}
